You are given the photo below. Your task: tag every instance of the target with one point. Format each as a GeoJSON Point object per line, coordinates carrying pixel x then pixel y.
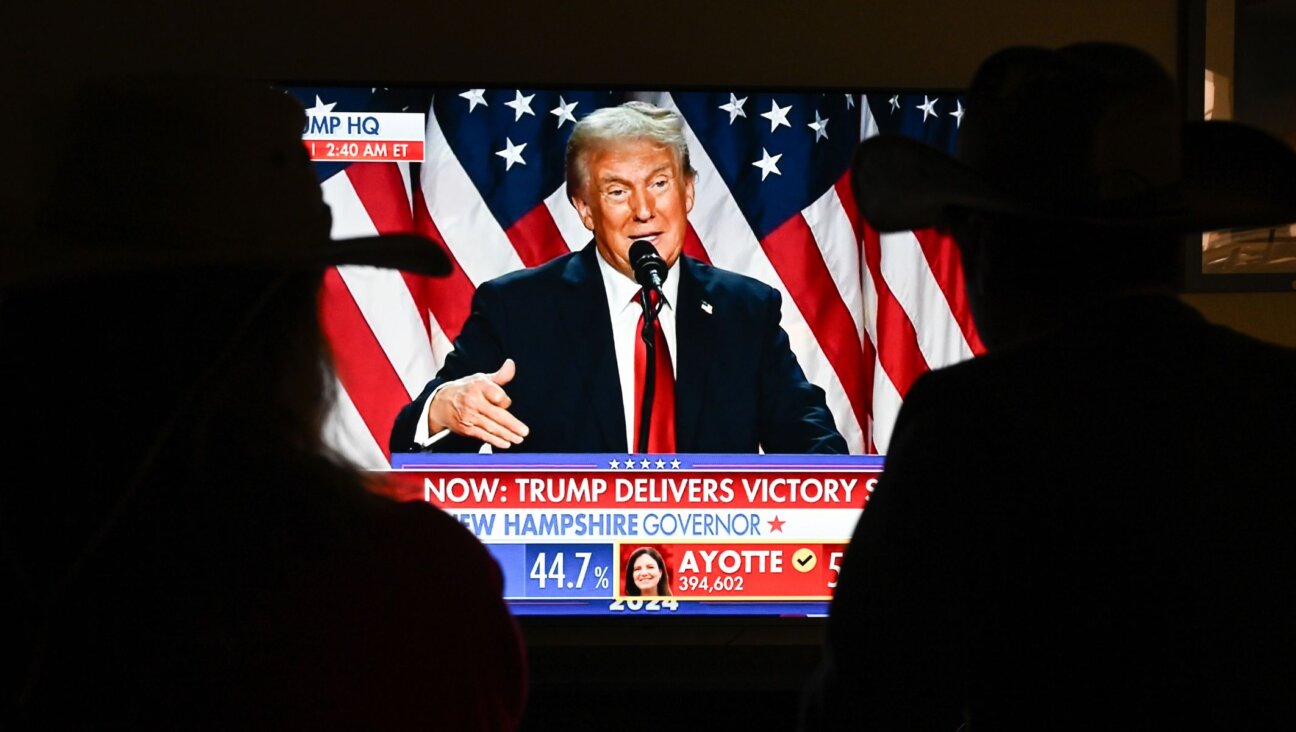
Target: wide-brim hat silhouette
{"type": "Point", "coordinates": [159, 174]}
{"type": "Point", "coordinates": [1090, 134]}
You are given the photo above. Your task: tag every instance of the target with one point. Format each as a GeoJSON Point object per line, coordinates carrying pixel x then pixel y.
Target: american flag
{"type": "Point", "coordinates": [866, 314]}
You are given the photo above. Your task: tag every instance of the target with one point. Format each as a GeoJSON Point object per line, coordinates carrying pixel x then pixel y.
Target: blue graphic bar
{"type": "Point", "coordinates": [511, 558]}
{"type": "Point", "coordinates": [636, 463]}
{"type": "Point", "coordinates": [643, 608]}
{"type": "Point", "coordinates": [555, 571]}
{"type": "Point", "coordinates": [568, 571]}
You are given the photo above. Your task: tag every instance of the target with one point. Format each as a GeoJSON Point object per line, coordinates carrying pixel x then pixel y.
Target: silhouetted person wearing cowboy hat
{"type": "Point", "coordinates": [179, 549]}
{"type": "Point", "coordinates": [1092, 526]}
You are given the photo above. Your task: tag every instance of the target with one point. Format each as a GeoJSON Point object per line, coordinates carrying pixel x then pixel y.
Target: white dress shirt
{"type": "Point", "coordinates": [624, 311]}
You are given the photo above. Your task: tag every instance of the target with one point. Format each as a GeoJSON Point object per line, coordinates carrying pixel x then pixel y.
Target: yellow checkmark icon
{"type": "Point", "coordinates": [804, 560]}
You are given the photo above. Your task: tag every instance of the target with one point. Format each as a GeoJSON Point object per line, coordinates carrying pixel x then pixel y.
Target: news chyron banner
{"type": "Point", "coordinates": [684, 534]}
{"type": "Point", "coordinates": [370, 137]}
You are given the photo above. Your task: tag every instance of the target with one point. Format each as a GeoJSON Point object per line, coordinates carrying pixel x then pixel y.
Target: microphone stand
{"type": "Point", "coordinates": [647, 333]}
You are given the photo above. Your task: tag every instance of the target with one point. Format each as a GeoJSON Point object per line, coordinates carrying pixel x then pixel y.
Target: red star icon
{"type": "Point", "coordinates": [776, 525]}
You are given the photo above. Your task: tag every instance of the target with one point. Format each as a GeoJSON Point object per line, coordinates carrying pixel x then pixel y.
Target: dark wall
{"type": "Point", "coordinates": [837, 42]}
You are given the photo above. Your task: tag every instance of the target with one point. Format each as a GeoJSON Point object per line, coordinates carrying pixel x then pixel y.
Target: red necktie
{"type": "Point", "coordinates": [661, 433]}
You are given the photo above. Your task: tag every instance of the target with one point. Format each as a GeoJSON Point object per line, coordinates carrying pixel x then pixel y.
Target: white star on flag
{"type": "Point", "coordinates": [895, 103]}
{"type": "Point", "coordinates": [512, 153]}
{"type": "Point", "coordinates": [928, 107]}
{"type": "Point", "coordinates": [768, 164]}
{"type": "Point", "coordinates": [614, 463]}
{"type": "Point", "coordinates": [475, 97]}
{"type": "Point", "coordinates": [850, 101]}
{"type": "Point", "coordinates": [660, 463]}
{"type": "Point", "coordinates": [958, 113]}
{"type": "Point", "coordinates": [521, 105]}
{"type": "Point", "coordinates": [320, 107]}
{"type": "Point", "coordinates": [734, 107]}
{"type": "Point", "coordinates": [820, 127]}
{"type": "Point", "coordinates": [777, 115]}
{"type": "Point", "coordinates": [643, 464]}
{"type": "Point", "coordinates": [675, 464]}
{"type": "Point", "coordinates": [564, 111]}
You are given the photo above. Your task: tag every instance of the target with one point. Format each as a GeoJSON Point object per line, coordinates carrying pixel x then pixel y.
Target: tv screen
{"type": "Point", "coordinates": [482, 170]}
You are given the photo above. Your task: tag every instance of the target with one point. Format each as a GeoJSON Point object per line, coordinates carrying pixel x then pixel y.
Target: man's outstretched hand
{"type": "Point", "coordinates": [477, 406]}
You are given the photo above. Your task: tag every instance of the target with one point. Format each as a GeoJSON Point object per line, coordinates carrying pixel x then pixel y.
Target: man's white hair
{"type": "Point", "coordinates": [627, 122]}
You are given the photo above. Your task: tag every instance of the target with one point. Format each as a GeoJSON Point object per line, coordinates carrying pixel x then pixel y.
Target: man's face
{"type": "Point", "coordinates": [635, 190]}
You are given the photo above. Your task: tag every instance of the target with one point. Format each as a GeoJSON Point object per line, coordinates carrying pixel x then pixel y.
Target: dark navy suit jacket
{"type": "Point", "coordinates": [738, 384]}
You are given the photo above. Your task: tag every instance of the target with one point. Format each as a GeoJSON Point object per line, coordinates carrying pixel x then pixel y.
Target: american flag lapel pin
{"type": "Point", "coordinates": [706, 307]}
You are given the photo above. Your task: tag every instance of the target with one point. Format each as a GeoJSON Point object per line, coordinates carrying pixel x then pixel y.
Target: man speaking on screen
{"type": "Point", "coordinates": [625, 345]}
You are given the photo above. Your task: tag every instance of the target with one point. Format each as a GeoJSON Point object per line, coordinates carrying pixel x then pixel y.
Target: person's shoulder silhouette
{"type": "Point", "coordinates": [179, 545]}
{"type": "Point", "coordinates": [1089, 526]}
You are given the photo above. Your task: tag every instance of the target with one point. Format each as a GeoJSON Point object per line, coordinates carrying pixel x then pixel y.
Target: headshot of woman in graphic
{"type": "Point", "coordinates": [646, 574]}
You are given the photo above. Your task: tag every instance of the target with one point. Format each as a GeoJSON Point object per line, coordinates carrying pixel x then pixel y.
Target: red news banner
{"type": "Point", "coordinates": [800, 570]}
{"type": "Point", "coordinates": [726, 527]}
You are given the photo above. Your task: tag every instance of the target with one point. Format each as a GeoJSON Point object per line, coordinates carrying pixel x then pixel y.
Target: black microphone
{"type": "Point", "coordinates": [650, 272]}
{"type": "Point", "coordinates": [649, 268]}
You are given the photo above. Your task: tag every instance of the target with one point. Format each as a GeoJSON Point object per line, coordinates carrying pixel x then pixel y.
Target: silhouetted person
{"type": "Point", "coordinates": [1092, 525]}
{"type": "Point", "coordinates": [180, 551]}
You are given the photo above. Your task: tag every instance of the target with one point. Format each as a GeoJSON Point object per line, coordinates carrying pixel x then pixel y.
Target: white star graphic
{"type": "Point", "coordinates": [820, 127]}
{"type": "Point", "coordinates": [521, 105]}
{"type": "Point", "coordinates": [958, 113]}
{"type": "Point", "coordinates": [768, 164]}
{"type": "Point", "coordinates": [614, 463]}
{"type": "Point", "coordinates": [475, 97]}
{"type": "Point", "coordinates": [895, 103]}
{"type": "Point", "coordinates": [734, 107]}
{"type": "Point", "coordinates": [660, 463]}
{"type": "Point", "coordinates": [643, 463]}
{"type": "Point", "coordinates": [777, 116]}
{"type": "Point", "coordinates": [675, 464]}
{"type": "Point", "coordinates": [512, 153]}
{"type": "Point", "coordinates": [564, 111]}
{"type": "Point", "coordinates": [630, 462]}
{"type": "Point", "coordinates": [928, 107]}
{"type": "Point", "coordinates": [850, 101]}
{"type": "Point", "coordinates": [320, 107]}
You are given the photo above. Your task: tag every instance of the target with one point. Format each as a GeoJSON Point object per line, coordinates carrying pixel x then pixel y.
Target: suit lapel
{"type": "Point", "coordinates": [589, 338]}
{"type": "Point", "coordinates": [694, 337]}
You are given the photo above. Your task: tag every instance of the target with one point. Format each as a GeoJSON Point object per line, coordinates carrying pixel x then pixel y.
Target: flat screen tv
{"type": "Point", "coordinates": [482, 170]}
